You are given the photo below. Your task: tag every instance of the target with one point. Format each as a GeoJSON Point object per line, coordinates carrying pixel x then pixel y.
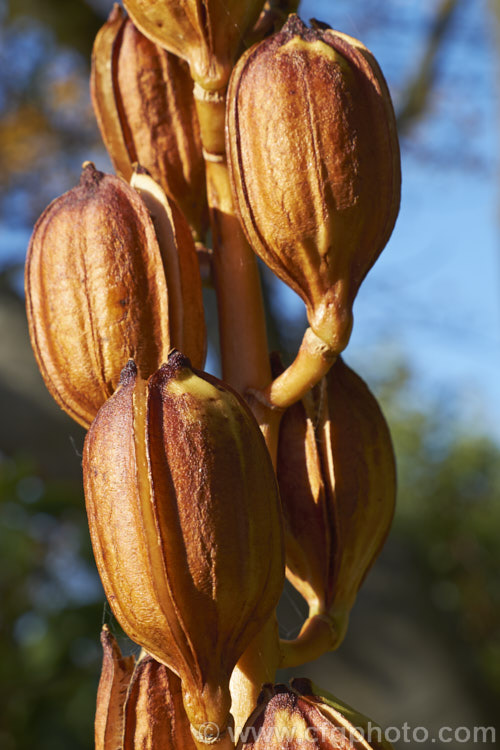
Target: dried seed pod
{"type": "Point", "coordinates": [139, 704]}
{"type": "Point", "coordinates": [205, 33]}
{"type": "Point", "coordinates": [154, 713]}
{"type": "Point", "coordinates": [336, 470]}
{"type": "Point", "coordinates": [186, 525]}
{"type": "Point", "coordinates": [144, 105]}
{"type": "Point", "coordinates": [111, 694]}
{"type": "Point", "coordinates": [309, 533]}
{"type": "Point", "coordinates": [298, 716]}
{"type": "Point", "coordinates": [315, 167]}
{"type": "Point", "coordinates": [96, 292]}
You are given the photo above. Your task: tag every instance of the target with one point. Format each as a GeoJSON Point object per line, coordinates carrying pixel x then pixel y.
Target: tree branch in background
{"type": "Point", "coordinates": [419, 88]}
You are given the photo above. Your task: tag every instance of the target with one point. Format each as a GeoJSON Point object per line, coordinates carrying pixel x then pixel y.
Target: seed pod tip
{"type": "Point", "coordinates": [128, 373]}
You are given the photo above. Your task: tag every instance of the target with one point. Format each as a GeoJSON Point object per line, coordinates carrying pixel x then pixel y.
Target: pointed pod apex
{"type": "Point", "coordinates": [177, 359]}
{"type": "Point", "coordinates": [106, 637]}
{"type": "Point", "coordinates": [128, 373]}
{"type": "Point", "coordinates": [294, 26]}
{"type": "Point", "coordinates": [117, 13]}
{"type": "Point", "coordinates": [170, 369]}
{"type": "Point", "coordinates": [90, 177]}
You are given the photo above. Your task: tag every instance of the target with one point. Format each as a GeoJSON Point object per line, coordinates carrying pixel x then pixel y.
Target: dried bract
{"type": "Point", "coordinates": [338, 492]}
{"type": "Point", "coordinates": [298, 716]}
{"type": "Point", "coordinates": [185, 522]}
{"type": "Point", "coordinates": [143, 101]}
{"type": "Point", "coordinates": [205, 33]}
{"type": "Point", "coordinates": [314, 159]}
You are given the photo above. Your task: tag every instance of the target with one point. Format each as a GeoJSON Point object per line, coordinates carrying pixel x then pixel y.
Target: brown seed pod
{"type": "Point", "coordinates": [315, 167]}
{"type": "Point", "coordinates": [143, 101]}
{"type": "Point", "coordinates": [301, 715]}
{"type": "Point", "coordinates": [139, 704]}
{"type": "Point", "coordinates": [205, 33]}
{"type": "Point", "coordinates": [116, 674]}
{"type": "Point", "coordinates": [96, 292]}
{"type": "Point", "coordinates": [337, 479]}
{"type": "Point", "coordinates": [154, 712]}
{"type": "Point", "coordinates": [309, 533]}
{"type": "Point", "coordinates": [185, 523]}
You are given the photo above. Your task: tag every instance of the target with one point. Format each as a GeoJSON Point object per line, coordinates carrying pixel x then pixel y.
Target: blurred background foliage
{"type": "Point", "coordinates": [439, 574]}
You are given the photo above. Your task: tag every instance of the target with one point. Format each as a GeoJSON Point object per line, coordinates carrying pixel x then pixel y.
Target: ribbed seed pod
{"type": "Point", "coordinates": [116, 674]}
{"type": "Point", "coordinates": [139, 704]}
{"type": "Point", "coordinates": [185, 523]}
{"type": "Point", "coordinates": [309, 531]}
{"type": "Point", "coordinates": [96, 292]}
{"type": "Point", "coordinates": [155, 718]}
{"type": "Point", "coordinates": [143, 101]}
{"type": "Point", "coordinates": [315, 167]}
{"type": "Point", "coordinates": [205, 33]}
{"type": "Point", "coordinates": [338, 492]}
{"type": "Point", "coordinates": [301, 716]}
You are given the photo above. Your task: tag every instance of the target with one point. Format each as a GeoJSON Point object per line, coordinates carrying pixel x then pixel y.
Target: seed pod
{"type": "Point", "coordinates": [144, 105]}
{"type": "Point", "coordinates": [185, 523]}
{"type": "Point", "coordinates": [310, 548]}
{"type": "Point", "coordinates": [111, 694]}
{"type": "Point", "coordinates": [315, 167]}
{"type": "Point", "coordinates": [96, 292]}
{"type": "Point", "coordinates": [154, 713]}
{"type": "Point", "coordinates": [336, 470]}
{"type": "Point", "coordinates": [205, 33]}
{"type": "Point", "coordinates": [300, 716]}
{"type": "Point", "coordinates": [139, 705]}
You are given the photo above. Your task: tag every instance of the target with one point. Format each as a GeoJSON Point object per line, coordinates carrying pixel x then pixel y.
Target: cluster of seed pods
{"type": "Point", "coordinates": [235, 132]}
